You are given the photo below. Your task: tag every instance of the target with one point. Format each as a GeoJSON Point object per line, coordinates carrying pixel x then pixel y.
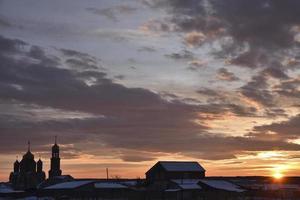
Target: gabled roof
{"type": "Point", "coordinates": [69, 185]}
{"type": "Point", "coordinates": [180, 166]}
{"type": "Point", "coordinates": [222, 185]}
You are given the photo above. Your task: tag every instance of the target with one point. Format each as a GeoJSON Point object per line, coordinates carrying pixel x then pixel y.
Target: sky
{"type": "Point", "coordinates": [125, 83]}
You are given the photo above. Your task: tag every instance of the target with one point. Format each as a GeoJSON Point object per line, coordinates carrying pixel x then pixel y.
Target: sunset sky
{"type": "Point", "coordinates": [125, 83]}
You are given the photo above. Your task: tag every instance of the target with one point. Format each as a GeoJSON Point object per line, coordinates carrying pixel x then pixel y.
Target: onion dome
{"type": "Point", "coordinates": [28, 155]}
{"type": "Point", "coordinates": [16, 166]}
{"type": "Point", "coordinates": [39, 165]}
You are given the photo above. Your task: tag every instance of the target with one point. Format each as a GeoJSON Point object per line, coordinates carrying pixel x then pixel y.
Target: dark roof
{"type": "Point", "coordinates": [180, 166]}
{"type": "Point", "coordinates": [69, 185]}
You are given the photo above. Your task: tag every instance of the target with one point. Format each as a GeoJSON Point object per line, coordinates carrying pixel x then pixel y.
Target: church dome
{"type": "Point", "coordinates": [28, 156]}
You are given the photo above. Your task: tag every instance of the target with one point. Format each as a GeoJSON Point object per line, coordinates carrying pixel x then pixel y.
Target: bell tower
{"type": "Point", "coordinates": [55, 161]}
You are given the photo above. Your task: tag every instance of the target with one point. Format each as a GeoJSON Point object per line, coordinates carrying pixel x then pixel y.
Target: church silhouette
{"type": "Point", "coordinates": [28, 173]}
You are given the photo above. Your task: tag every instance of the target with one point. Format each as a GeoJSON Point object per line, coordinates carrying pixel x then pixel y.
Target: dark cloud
{"type": "Point", "coordinates": [275, 72]}
{"type": "Point", "coordinates": [289, 88]}
{"type": "Point", "coordinates": [224, 75]}
{"type": "Point", "coordinates": [257, 90]}
{"type": "Point", "coordinates": [208, 92]}
{"type": "Point", "coordinates": [258, 32]}
{"type": "Point", "coordinates": [285, 130]}
{"type": "Point", "coordinates": [107, 113]}
{"type": "Point", "coordinates": [220, 102]}
{"type": "Point", "coordinates": [196, 64]}
{"type": "Point", "coordinates": [250, 59]}
{"type": "Point", "coordinates": [73, 53]}
{"type": "Point", "coordinates": [261, 91]}
{"type": "Point", "coordinates": [120, 77]}
{"type": "Point", "coordinates": [183, 55]}
{"type": "Point", "coordinates": [276, 112]}
{"type": "Point", "coordinates": [38, 54]}
{"type": "Point", "coordinates": [79, 55]}
{"type": "Point", "coordinates": [259, 22]}
{"type": "Point", "coordinates": [8, 46]}
{"type": "Point", "coordinates": [80, 64]}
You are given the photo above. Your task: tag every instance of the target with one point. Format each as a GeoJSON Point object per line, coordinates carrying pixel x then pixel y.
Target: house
{"type": "Point", "coordinates": [71, 189]}
{"type": "Point", "coordinates": [187, 189]}
{"type": "Point", "coordinates": [90, 189]}
{"type": "Point", "coordinates": [166, 170]}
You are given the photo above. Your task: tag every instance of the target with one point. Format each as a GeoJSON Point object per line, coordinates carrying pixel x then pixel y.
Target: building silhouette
{"type": "Point", "coordinates": [55, 161]}
{"type": "Point", "coordinates": [167, 170]}
{"type": "Point", "coordinates": [162, 172]}
{"type": "Point", "coordinates": [27, 173]}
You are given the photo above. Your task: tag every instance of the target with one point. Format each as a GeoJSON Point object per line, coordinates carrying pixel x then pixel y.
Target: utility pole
{"type": "Point", "coordinates": [107, 173]}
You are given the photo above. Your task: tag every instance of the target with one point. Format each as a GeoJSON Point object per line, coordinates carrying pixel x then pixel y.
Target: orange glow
{"type": "Point", "coordinates": [277, 175]}
{"type": "Point", "coordinates": [278, 171]}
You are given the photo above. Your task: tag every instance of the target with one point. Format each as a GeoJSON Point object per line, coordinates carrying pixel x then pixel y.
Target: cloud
{"type": "Point", "coordinates": [155, 26]}
{"type": "Point", "coordinates": [112, 12]}
{"type": "Point", "coordinates": [121, 35]}
{"type": "Point", "coordinates": [284, 130]}
{"type": "Point", "coordinates": [194, 38]}
{"type": "Point", "coordinates": [8, 46]}
{"type": "Point", "coordinates": [106, 12]}
{"type": "Point", "coordinates": [120, 77]}
{"type": "Point", "coordinates": [107, 113]}
{"type": "Point", "coordinates": [147, 49]}
{"type": "Point", "coordinates": [208, 92]}
{"type": "Point", "coordinates": [250, 59]}
{"type": "Point", "coordinates": [289, 88]}
{"type": "Point", "coordinates": [261, 31]}
{"type": "Point", "coordinates": [4, 22]}
{"type": "Point", "coordinates": [183, 55]}
{"type": "Point", "coordinates": [224, 75]}
{"type": "Point", "coordinates": [77, 54]}
{"type": "Point", "coordinates": [138, 156]}
{"type": "Point", "coordinates": [275, 72]}
{"type": "Point", "coordinates": [257, 91]}
{"type": "Point", "coordinates": [196, 64]}
{"type": "Point", "coordinates": [79, 64]}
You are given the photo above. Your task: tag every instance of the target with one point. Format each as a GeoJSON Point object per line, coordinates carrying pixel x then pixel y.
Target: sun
{"type": "Point", "coordinates": [277, 175]}
{"type": "Point", "coordinates": [279, 171]}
